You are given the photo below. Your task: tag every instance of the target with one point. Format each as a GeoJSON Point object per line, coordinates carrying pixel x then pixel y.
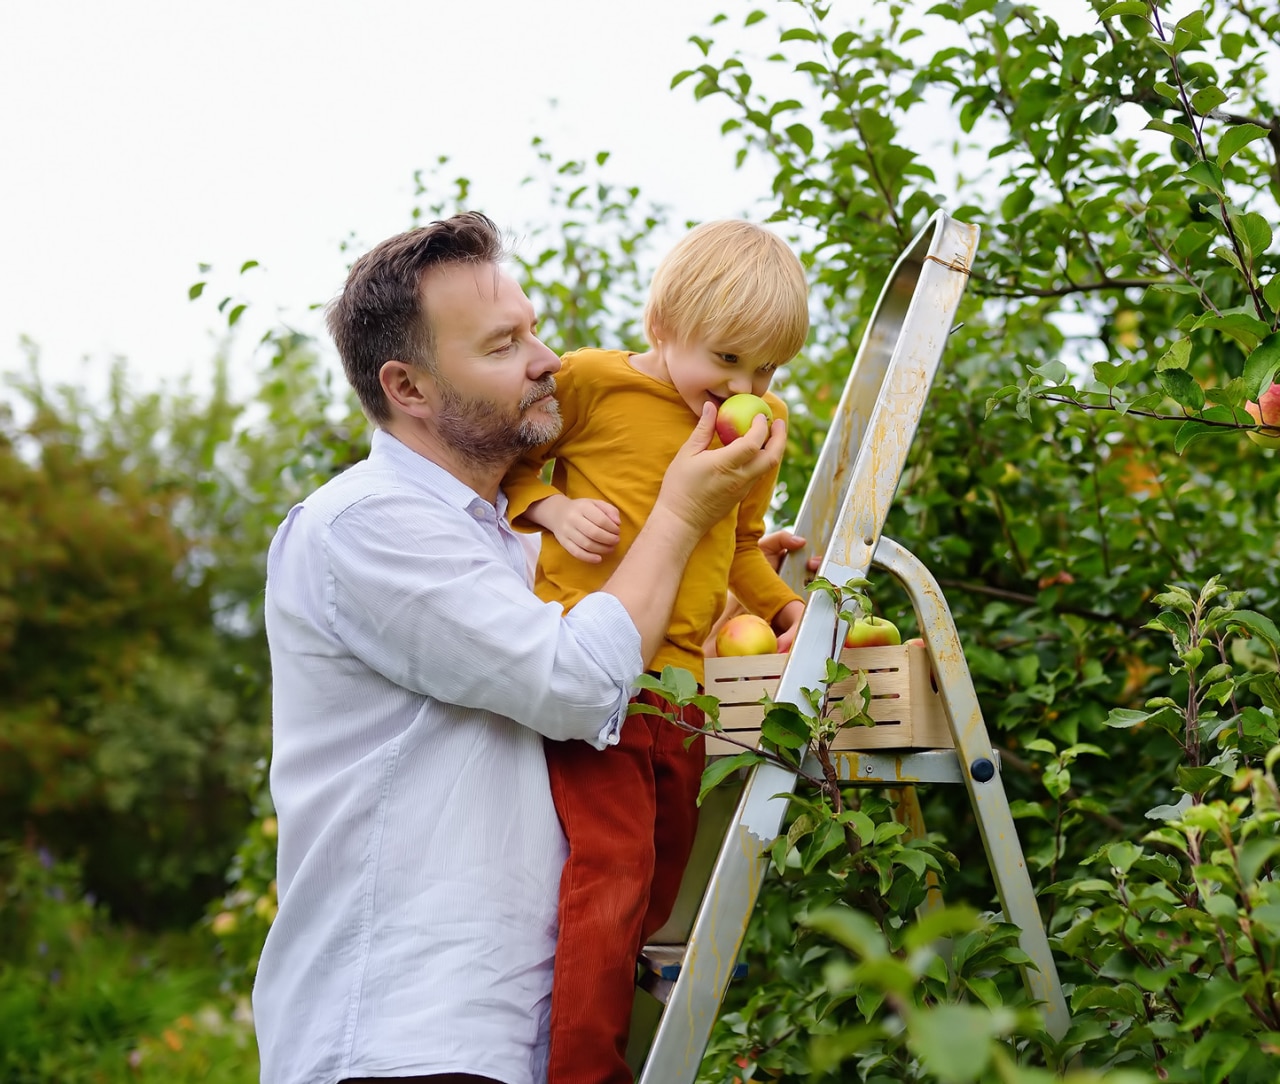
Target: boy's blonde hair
{"type": "Point", "coordinates": [734, 283]}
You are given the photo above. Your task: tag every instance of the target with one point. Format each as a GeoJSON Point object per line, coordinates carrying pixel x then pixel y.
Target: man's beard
{"type": "Point", "coordinates": [485, 435]}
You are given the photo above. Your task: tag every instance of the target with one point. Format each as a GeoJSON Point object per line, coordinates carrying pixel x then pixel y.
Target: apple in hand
{"type": "Point", "coordinates": [1266, 411]}
{"type": "Point", "coordinates": [746, 634]}
{"type": "Point", "coordinates": [736, 414]}
{"type": "Point", "coordinates": [872, 632]}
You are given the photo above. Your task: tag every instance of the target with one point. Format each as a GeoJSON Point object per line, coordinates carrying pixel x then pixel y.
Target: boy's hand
{"type": "Point", "coordinates": [587, 529]}
{"type": "Point", "coordinates": [786, 623]}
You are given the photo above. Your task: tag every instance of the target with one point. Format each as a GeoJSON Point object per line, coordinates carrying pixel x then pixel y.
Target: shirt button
{"type": "Point", "coordinates": [478, 512]}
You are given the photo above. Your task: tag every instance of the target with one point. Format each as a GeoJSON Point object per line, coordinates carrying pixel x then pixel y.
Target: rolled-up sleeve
{"type": "Point", "coordinates": [430, 603]}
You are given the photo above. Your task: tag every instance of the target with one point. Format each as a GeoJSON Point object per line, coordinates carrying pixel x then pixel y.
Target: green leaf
{"type": "Point", "coordinates": [248, 265]}
{"type": "Point", "coordinates": [1255, 231]}
{"type": "Point", "coordinates": [1253, 855]}
{"type": "Point", "coordinates": [954, 1041]}
{"type": "Point", "coordinates": [1214, 995]}
{"type": "Point", "coordinates": [1124, 718]}
{"type": "Point", "coordinates": [1125, 7]}
{"type": "Point", "coordinates": [798, 33]}
{"type": "Point", "coordinates": [1016, 202]}
{"type": "Point", "coordinates": [785, 727]}
{"type": "Point", "coordinates": [1235, 138]}
{"type": "Point", "coordinates": [721, 768]}
{"type": "Point", "coordinates": [1271, 293]}
{"type": "Point", "coordinates": [1191, 431]}
{"type": "Point", "coordinates": [1258, 624]}
{"type": "Point", "coordinates": [195, 291]}
{"type": "Point", "coordinates": [753, 18]}
{"type": "Point", "coordinates": [1261, 367]}
{"type": "Point", "coordinates": [1206, 174]}
{"type": "Point", "coordinates": [1206, 100]}
{"type": "Point", "coordinates": [801, 136]}
{"type": "Point", "coordinates": [1176, 357]}
{"type": "Point", "coordinates": [1182, 388]}
{"type": "Point", "coordinates": [852, 929]}
{"type": "Point", "coordinates": [681, 682]}
{"type": "Point", "coordinates": [1178, 131]}
{"type": "Point", "coordinates": [1245, 328]}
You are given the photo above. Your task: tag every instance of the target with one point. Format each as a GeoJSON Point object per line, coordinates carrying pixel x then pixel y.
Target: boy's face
{"type": "Point", "coordinates": [705, 372]}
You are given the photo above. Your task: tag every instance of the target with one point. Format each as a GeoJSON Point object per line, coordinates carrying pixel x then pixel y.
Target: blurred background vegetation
{"type": "Point", "coordinates": [1084, 447]}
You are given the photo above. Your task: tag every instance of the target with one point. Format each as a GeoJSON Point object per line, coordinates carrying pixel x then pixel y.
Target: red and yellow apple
{"type": "Point", "coordinates": [1266, 411]}
{"type": "Point", "coordinates": [736, 414]}
{"type": "Point", "coordinates": [746, 634]}
{"type": "Point", "coordinates": [872, 632]}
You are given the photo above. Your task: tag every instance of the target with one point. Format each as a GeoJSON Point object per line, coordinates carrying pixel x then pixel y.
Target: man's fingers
{"type": "Point", "coordinates": [700, 439]}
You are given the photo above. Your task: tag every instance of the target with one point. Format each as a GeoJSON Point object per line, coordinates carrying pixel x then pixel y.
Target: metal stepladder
{"type": "Point", "coordinates": [842, 516]}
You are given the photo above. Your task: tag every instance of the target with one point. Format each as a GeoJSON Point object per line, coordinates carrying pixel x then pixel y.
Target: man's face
{"type": "Point", "coordinates": [494, 388]}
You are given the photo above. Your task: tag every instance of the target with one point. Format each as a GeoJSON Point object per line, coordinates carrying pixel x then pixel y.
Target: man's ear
{"type": "Point", "coordinates": [408, 388]}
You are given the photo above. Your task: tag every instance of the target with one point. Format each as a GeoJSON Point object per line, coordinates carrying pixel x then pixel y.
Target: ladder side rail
{"type": "Point", "coordinates": [942, 241]}
{"type": "Point", "coordinates": [988, 798]}
{"type": "Point", "coordinates": [721, 921]}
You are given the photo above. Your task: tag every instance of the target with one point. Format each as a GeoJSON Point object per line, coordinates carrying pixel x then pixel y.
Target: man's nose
{"type": "Point", "coordinates": [544, 361]}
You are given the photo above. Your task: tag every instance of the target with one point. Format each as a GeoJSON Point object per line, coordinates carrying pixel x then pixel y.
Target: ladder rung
{"type": "Point", "coordinates": [660, 967]}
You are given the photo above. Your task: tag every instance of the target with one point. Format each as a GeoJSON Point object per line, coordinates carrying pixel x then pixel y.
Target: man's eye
{"type": "Point", "coordinates": [729, 359]}
{"type": "Point", "coordinates": [505, 348]}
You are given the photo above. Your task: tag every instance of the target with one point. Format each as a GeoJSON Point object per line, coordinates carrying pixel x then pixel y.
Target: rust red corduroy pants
{"type": "Point", "coordinates": [629, 813]}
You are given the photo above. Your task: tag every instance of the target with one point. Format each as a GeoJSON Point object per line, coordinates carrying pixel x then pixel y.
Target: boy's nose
{"type": "Point", "coordinates": [740, 384]}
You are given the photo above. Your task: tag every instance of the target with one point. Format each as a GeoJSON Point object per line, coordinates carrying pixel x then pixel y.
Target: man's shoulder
{"type": "Point", "coordinates": [348, 490]}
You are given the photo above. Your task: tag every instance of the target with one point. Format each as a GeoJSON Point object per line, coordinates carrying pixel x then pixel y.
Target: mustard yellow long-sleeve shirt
{"type": "Point", "coordinates": [621, 430]}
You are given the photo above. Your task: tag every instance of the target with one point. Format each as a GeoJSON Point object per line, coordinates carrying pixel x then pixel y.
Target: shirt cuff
{"type": "Point", "coordinates": [606, 632]}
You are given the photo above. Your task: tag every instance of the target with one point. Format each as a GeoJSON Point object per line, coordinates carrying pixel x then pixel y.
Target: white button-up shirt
{"type": "Point", "coordinates": [414, 675]}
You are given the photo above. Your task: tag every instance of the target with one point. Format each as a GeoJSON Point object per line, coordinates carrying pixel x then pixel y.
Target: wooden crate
{"type": "Point", "coordinates": [904, 699]}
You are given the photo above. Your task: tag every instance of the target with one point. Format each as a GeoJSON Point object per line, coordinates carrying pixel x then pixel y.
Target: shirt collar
{"type": "Point", "coordinates": [428, 474]}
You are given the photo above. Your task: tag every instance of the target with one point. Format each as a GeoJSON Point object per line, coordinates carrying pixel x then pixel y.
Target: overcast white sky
{"type": "Point", "coordinates": [142, 138]}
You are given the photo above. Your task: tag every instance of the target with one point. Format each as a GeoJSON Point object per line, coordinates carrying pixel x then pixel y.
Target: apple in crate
{"type": "Point", "coordinates": [746, 634]}
{"type": "Point", "coordinates": [872, 632]}
{"type": "Point", "coordinates": [736, 414]}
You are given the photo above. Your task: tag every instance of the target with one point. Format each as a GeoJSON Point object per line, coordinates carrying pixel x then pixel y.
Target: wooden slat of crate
{"type": "Point", "coordinates": [904, 703]}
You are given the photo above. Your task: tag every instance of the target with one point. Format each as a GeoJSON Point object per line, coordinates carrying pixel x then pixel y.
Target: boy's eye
{"type": "Point", "coordinates": [729, 359]}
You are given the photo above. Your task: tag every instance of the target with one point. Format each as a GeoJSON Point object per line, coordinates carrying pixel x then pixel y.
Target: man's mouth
{"type": "Point", "coordinates": [539, 394]}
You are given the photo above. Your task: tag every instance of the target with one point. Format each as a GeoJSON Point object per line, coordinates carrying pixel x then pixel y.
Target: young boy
{"type": "Point", "coordinates": [727, 306]}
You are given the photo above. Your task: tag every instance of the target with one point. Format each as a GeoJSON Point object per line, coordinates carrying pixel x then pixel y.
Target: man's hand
{"type": "Point", "coordinates": [703, 484]}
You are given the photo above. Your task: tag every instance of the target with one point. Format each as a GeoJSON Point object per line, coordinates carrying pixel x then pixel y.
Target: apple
{"type": "Point", "coordinates": [746, 634]}
{"type": "Point", "coordinates": [1266, 411]}
{"type": "Point", "coordinates": [736, 414]}
{"type": "Point", "coordinates": [872, 632]}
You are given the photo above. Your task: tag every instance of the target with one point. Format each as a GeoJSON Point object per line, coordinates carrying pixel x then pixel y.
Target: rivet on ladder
{"type": "Point", "coordinates": [982, 770]}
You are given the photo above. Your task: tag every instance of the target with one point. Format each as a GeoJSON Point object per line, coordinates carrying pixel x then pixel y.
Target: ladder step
{"type": "Point", "coordinates": [660, 967]}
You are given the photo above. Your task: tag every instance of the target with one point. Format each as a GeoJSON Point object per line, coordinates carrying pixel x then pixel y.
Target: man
{"type": "Point", "coordinates": [415, 674]}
